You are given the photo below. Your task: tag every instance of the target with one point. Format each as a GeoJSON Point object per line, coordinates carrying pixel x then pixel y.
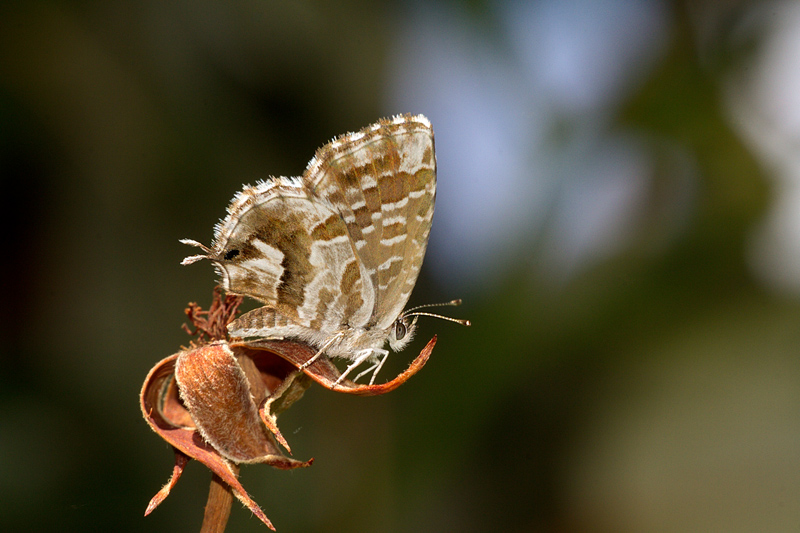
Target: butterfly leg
{"type": "Point", "coordinates": [362, 356]}
{"type": "Point", "coordinates": [377, 366]}
{"type": "Point", "coordinates": [366, 371]}
{"type": "Point", "coordinates": [324, 347]}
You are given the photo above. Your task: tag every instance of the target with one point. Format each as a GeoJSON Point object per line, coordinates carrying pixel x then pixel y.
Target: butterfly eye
{"type": "Point", "coordinates": [231, 254]}
{"type": "Point", "coordinates": [399, 330]}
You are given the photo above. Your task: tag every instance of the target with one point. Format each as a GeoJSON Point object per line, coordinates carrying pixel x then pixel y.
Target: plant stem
{"type": "Point", "coordinates": [218, 506]}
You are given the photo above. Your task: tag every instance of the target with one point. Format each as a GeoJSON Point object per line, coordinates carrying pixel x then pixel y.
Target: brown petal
{"type": "Point", "coordinates": [180, 463]}
{"type": "Point", "coordinates": [324, 372]}
{"type": "Point", "coordinates": [216, 392]}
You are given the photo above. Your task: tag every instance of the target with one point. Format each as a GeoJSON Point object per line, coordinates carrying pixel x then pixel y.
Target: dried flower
{"type": "Point", "coordinates": [218, 401]}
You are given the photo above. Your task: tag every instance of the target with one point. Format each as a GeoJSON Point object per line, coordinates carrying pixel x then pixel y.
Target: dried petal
{"type": "Point", "coordinates": [324, 372]}
{"type": "Point", "coordinates": [180, 463]}
{"type": "Point", "coordinates": [216, 392]}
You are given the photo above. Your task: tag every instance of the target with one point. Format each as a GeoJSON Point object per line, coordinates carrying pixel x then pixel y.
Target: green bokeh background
{"type": "Point", "coordinates": [656, 390]}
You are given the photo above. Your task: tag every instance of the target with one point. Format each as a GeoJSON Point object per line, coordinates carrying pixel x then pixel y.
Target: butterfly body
{"type": "Point", "coordinates": [335, 253]}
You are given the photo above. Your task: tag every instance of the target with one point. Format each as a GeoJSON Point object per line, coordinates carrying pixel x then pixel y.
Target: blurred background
{"type": "Point", "coordinates": [618, 207]}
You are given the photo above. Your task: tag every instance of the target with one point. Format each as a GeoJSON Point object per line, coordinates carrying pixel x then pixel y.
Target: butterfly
{"type": "Point", "coordinates": [335, 253]}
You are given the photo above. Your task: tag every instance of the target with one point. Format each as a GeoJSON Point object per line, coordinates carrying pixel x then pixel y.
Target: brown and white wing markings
{"type": "Point", "coordinates": [334, 254]}
{"type": "Point", "coordinates": [280, 246]}
{"type": "Point", "coordinates": [382, 181]}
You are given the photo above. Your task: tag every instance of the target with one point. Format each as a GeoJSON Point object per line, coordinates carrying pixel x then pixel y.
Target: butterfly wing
{"type": "Point", "coordinates": [382, 182]}
{"type": "Point", "coordinates": [339, 248]}
{"type": "Point", "coordinates": [281, 246]}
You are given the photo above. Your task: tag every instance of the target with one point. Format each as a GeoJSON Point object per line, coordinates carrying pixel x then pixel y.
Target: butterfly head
{"type": "Point", "coordinates": [224, 261]}
{"type": "Point", "coordinates": [402, 331]}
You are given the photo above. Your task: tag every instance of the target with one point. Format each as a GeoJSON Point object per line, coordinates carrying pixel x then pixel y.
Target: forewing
{"type": "Point", "coordinates": [382, 182]}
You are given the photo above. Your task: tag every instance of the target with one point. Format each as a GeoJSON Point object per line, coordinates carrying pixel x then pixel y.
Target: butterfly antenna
{"type": "Point", "coordinates": [450, 303]}
{"type": "Point", "coordinates": [411, 312]}
{"type": "Point", "coordinates": [449, 318]}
